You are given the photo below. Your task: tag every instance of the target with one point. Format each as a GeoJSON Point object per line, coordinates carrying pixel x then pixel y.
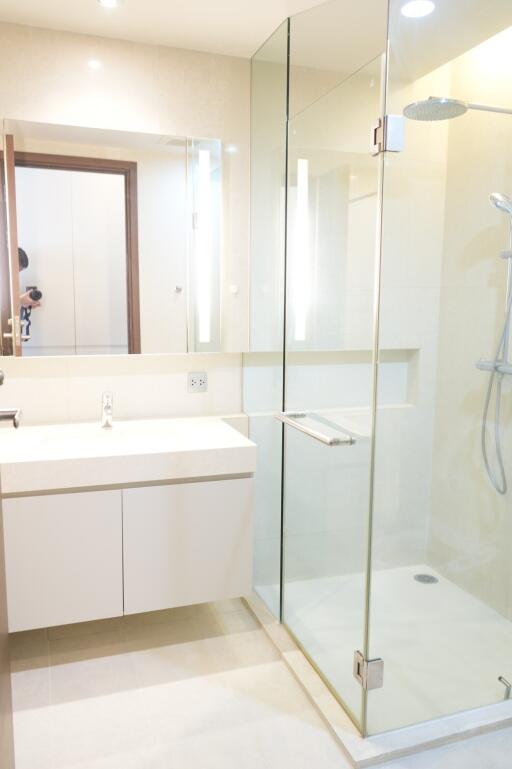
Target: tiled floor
{"type": "Point", "coordinates": [194, 688]}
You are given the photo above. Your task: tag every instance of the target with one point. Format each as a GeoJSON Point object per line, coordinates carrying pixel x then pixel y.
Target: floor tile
{"type": "Point", "coordinates": [199, 688]}
{"type": "Point", "coordinates": [90, 666]}
{"type": "Point", "coordinates": [225, 749]}
{"type": "Point", "coordinates": [98, 727]}
{"type": "Point", "coordinates": [300, 741]}
{"type": "Point", "coordinates": [32, 736]}
{"type": "Point", "coordinates": [79, 629]}
{"type": "Point", "coordinates": [265, 691]}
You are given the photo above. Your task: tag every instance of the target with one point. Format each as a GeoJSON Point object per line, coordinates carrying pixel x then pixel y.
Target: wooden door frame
{"type": "Point", "coordinates": [10, 261]}
{"type": "Point", "coordinates": [6, 346]}
{"type": "Point", "coordinates": [128, 170]}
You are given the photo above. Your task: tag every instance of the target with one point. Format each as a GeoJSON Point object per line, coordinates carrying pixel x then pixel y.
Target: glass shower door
{"type": "Point", "coordinates": [332, 259]}
{"type": "Point", "coordinates": [263, 364]}
{"type": "Point", "coordinates": [441, 583]}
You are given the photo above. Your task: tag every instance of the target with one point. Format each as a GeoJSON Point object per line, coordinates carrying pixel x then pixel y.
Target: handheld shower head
{"type": "Point", "coordinates": [501, 202]}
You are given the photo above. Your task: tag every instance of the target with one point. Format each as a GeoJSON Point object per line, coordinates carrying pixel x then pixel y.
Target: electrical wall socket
{"type": "Point", "coordinates": [197, 382]}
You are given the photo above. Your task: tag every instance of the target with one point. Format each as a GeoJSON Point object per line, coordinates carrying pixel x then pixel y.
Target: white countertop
{"type": "Point", "coordinates": [83, 455]}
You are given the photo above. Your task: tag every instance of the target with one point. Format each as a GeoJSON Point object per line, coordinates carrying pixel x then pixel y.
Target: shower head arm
{"type": "Point", "coordinates": [485, 108]}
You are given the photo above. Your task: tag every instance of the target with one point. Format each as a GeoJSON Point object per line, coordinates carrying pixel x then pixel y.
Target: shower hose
{"type": "Point", "coordinates": [498, 478]}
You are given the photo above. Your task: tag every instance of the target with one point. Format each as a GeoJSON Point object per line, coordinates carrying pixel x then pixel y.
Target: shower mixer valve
{"type": "Point", "coordinates": [501, 367]}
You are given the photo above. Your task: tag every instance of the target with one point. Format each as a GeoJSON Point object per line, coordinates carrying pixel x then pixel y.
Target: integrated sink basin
{"type": "Point", "coordinates": [83, 455]}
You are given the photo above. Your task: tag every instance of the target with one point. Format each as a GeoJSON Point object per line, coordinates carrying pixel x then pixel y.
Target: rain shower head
{"type": "Point", "coordinates": [442, 108]}
{"type": "Point", "coordinates": [501, 202]}
{"type": "Point", "coordinates": [435, 108]}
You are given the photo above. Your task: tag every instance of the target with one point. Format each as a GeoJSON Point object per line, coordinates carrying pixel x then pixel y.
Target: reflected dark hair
{"type": "Point", "coordinates": [23, 259]}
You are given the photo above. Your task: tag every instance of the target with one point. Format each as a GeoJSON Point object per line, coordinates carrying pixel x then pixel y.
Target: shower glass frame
{"type": "Point", "coordinates": [407, 52]}
{"type": "Point", "coordinates": [376, 69]}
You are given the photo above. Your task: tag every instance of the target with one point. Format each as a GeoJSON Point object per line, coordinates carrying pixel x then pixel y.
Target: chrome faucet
{"type": "Point", "coordinates": [107, 410]}
{"type": "Point", "coordinates": [14, 414]}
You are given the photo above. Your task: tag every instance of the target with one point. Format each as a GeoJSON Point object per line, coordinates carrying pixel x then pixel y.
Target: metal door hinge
{"type": "Point", "coordinates": [388, 134]}
{"type": "Point", "coordinates": [369, 673]}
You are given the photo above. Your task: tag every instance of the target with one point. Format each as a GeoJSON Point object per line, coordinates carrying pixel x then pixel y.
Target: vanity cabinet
{"type": "Point", "coordinates": [186, 543]}
{"type": "Point", "coordinates": [63, 556]}
{"type": "Point", "coordinates": [73, 557]}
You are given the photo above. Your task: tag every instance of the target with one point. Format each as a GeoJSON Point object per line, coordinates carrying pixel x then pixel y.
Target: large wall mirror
{"type": "Point", "coordinates": [111, 242]}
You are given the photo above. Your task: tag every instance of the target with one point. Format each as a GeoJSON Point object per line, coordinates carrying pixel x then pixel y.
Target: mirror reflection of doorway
{"type": "Point", "coordinates": [77, 235]}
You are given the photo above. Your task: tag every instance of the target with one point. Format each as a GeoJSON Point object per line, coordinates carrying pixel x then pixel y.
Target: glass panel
{"type": "Point", "coordinates": [441, 591]}
{"type": "Point", "coordinates": [332, 219]}
{"type": "Point", "coordinates": [263, 367]}
{"type": "Point", "coordinates": [329, 43]}
{"type": "Point", "coordinates": [205, 173]}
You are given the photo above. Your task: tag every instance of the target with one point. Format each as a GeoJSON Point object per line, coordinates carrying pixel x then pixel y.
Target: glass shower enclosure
{"type": "Point", "coordinates": [378, 381]}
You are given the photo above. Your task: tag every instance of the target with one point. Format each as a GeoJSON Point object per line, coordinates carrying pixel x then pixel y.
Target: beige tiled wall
{"type": "Point", "coordinates": [471, 525]}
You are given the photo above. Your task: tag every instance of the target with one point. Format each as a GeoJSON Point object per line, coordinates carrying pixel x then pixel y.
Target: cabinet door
{"type": "Point", "coordinates": [187, 543]}
{"type": "Point", "coordinates": [63, 558]}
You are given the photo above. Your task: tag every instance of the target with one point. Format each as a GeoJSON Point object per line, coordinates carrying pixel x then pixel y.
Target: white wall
{"type": "Point", "coordinates": [69, 389]}
{"type": "Point", "coordinates": [471, 525]}
{"type": "Point", "coordinates": [149, 89]}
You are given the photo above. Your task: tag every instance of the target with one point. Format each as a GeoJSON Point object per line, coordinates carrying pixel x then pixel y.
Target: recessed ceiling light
{"type": "Point", "coordinates": [415, 9]}
{"type": "Point", "coordinates": [94, 64]}
{"type": "Point", "coordinates": [232, 149]}
{"type": "Point", "coordinates": [109, 3]}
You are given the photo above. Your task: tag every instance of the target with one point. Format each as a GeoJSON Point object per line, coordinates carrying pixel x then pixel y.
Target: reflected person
{"type": "Point", "coordinates": [32, 297]}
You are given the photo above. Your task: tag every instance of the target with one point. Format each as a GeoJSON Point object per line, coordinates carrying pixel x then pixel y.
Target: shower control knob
{"type": "Point", "coordinates": [507, 254]}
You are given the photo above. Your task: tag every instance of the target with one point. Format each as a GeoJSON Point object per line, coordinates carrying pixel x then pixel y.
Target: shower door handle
{"type": "Point", "coordinates": [291, 419]}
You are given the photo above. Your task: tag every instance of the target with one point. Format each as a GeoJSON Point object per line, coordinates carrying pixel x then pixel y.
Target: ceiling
{"type": "Point", "coordinates": [232, 27]}
{"type": "Point", "coordinates": [336, 36]}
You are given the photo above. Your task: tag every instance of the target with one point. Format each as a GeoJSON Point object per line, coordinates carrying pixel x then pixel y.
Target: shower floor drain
{"type": "Point", "coordinates": [426, 579]}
